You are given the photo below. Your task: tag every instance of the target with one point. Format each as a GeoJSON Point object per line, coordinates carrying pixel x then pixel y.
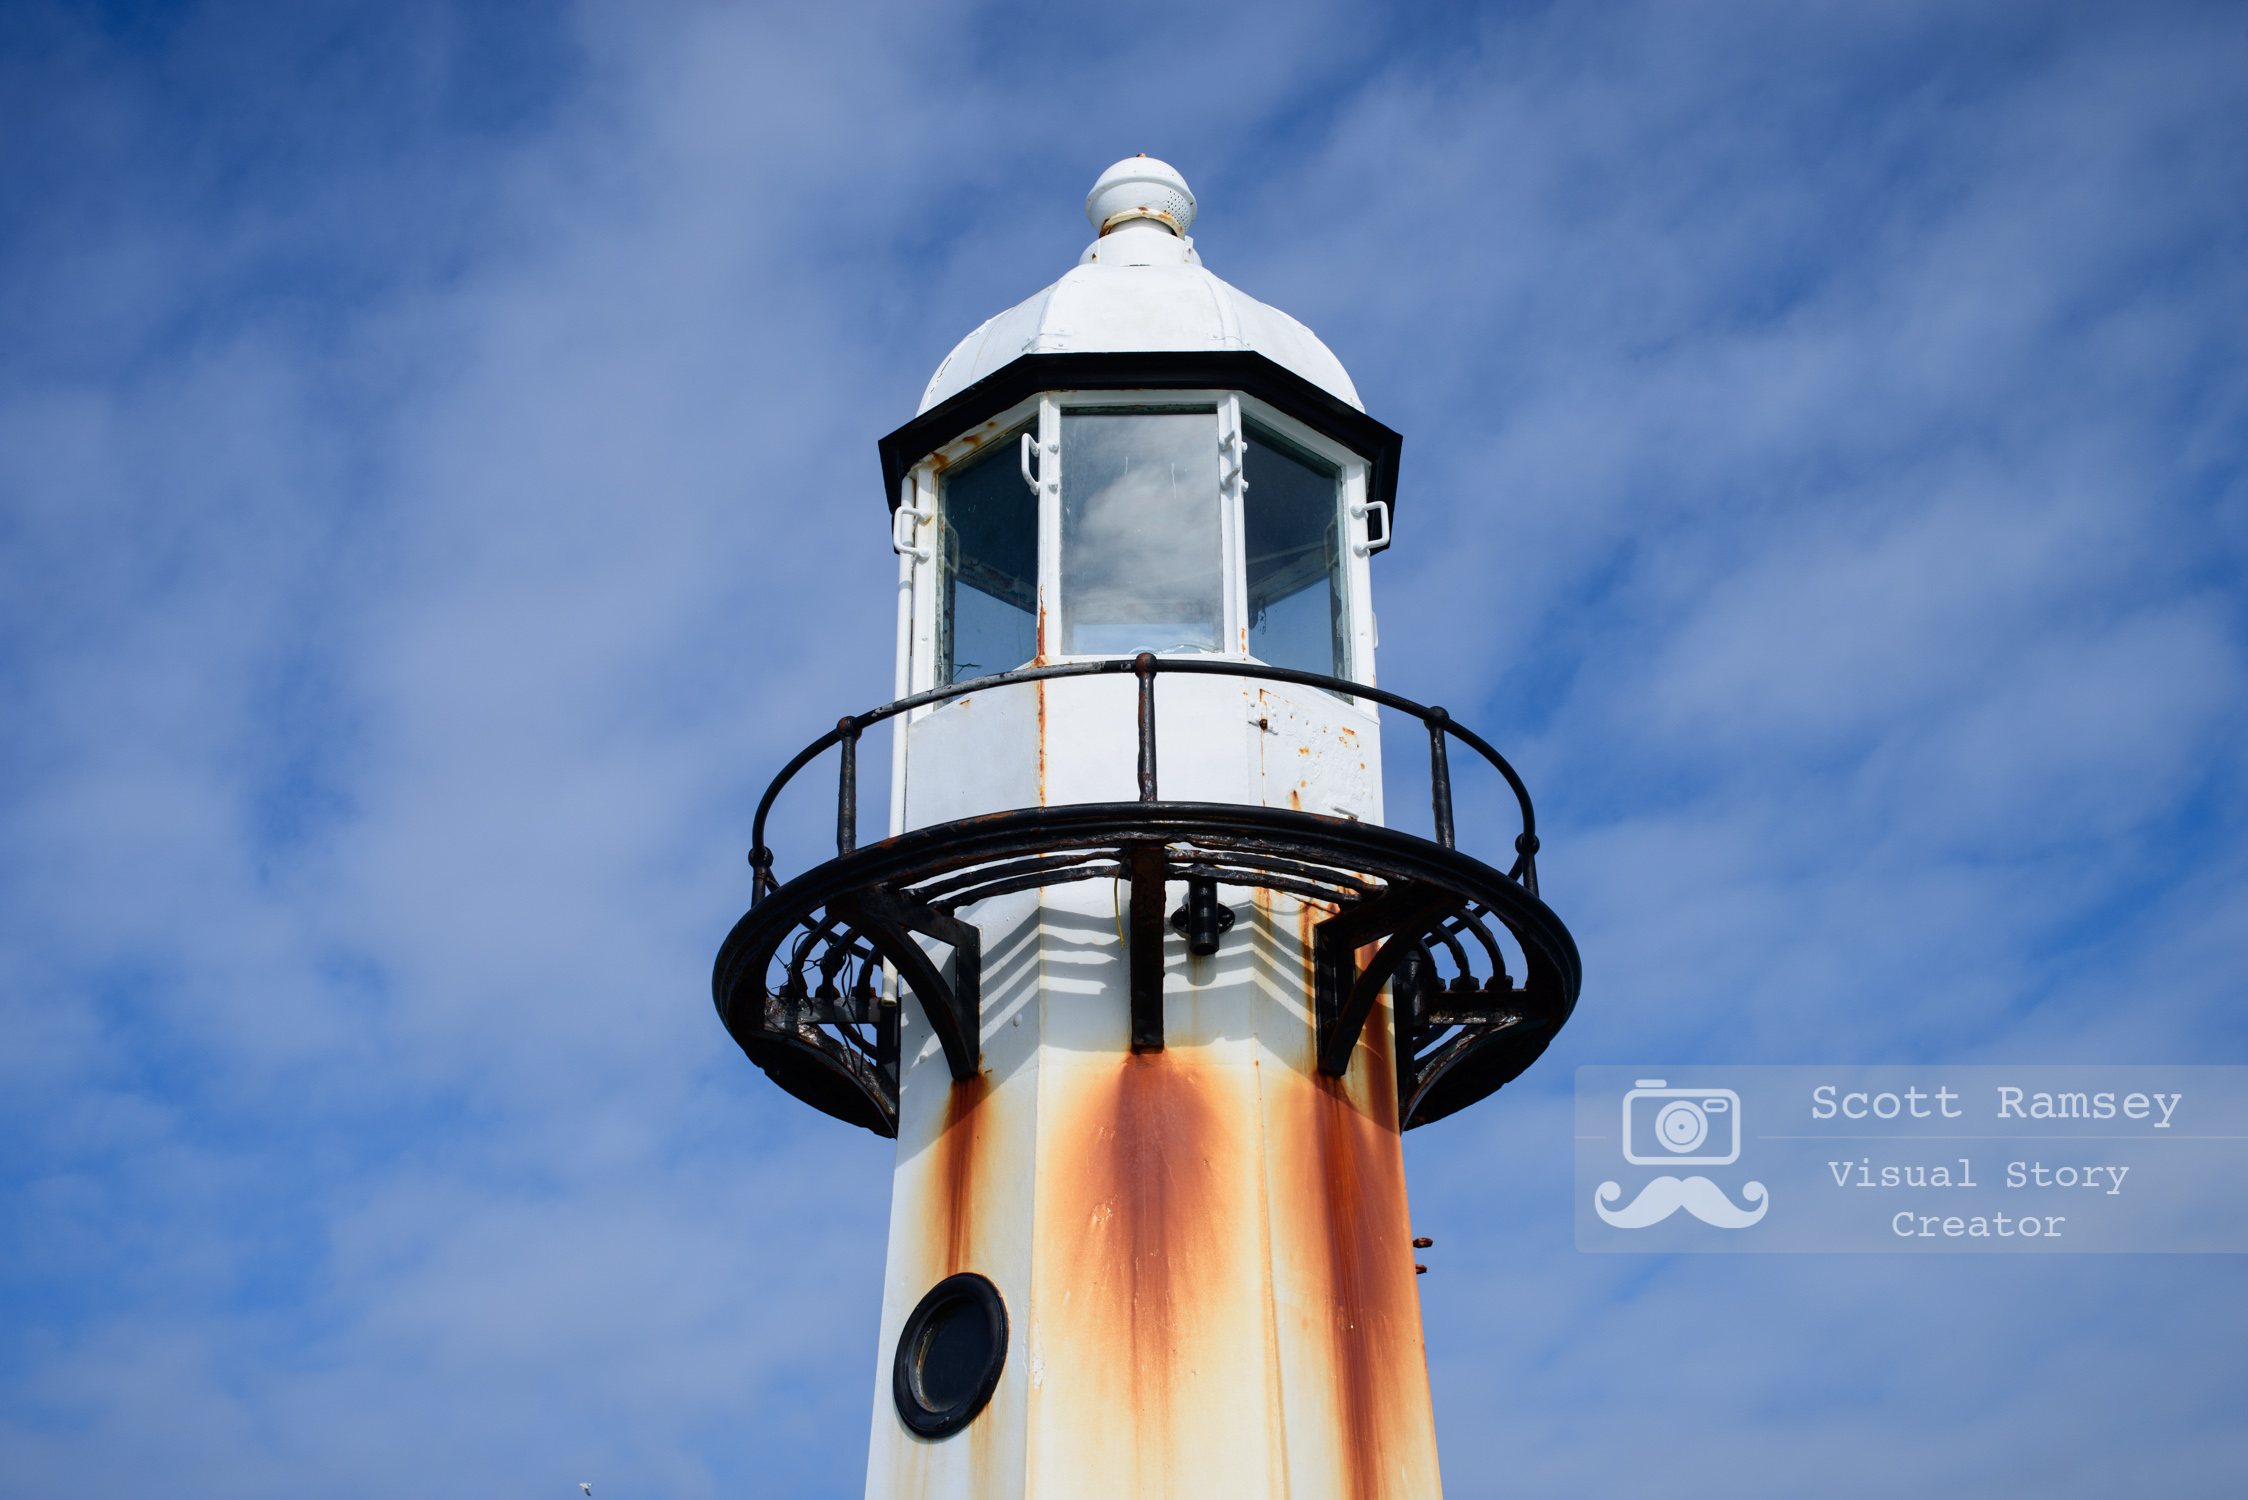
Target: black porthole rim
{"type": "Point", "coordinates": [961, 1286]}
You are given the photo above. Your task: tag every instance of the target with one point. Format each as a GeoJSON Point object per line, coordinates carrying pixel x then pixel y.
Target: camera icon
{"type": "Point", "coordinates": [1664, 1126]}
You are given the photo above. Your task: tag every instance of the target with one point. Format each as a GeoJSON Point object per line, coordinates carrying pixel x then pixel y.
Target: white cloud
{"type": "Point", "coordinates": [421, 540]}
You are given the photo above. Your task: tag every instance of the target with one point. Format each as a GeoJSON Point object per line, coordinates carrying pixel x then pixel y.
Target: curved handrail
{"type": "Point", "coordinates": [1147, 666]}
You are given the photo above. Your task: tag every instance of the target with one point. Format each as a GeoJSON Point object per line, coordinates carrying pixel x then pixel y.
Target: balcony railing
{"type": "Point", "coordinates": [1147, 667]}
{"type": "Point", "coordinates": [799, 981]}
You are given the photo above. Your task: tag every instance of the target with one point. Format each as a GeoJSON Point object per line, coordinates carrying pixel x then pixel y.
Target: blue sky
{"type": "Point", "coordinates": [437, 488]}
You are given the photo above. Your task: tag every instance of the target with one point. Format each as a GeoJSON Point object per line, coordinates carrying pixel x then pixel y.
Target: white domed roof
{"type": "Point", "coordinates": [1139, 288]}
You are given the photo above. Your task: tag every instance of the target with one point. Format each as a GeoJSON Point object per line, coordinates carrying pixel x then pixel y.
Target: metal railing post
{"type": "Point", "coordinates": [847, 792]}
{"type": "Point", "coordinates": [1439, 777]}
{"type": "Point", "coordinates": [1143, 666]}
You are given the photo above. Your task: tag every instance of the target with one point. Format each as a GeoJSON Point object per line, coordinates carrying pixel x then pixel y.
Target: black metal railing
{"type": "Point", "coordinates": [1147, 667]}
{"type": "Point", "coordinates": [799, 981]}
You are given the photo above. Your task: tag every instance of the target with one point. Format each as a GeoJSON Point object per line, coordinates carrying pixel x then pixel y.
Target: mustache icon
{"type": "Point", "coordinates": [1699, 1196]}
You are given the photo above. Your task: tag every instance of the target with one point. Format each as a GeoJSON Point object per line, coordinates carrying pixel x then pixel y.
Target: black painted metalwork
{"type": "Point", "coordinates": [1440, 778]}
{"type": "Point", "coordinates": [1202, 919]}
{"type": "Point", "coordinates": [847, 789]}
{"type": "Point", "coordinates": [950, 1355]}
{"type": "Point", "coordinates": [1420, 905]}
{"type": "Point", "coordinates": [1245, 371]}
{"type": "Point", "coordinates": [1143, 667]}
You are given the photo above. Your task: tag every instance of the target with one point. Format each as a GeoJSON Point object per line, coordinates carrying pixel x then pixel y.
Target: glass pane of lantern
{"type": "Point", "coordinates": [1142, 564]}
{"type": "Point", "coordinates": [1292, 535]}
{"type": "Point", "coordinates": [988, 606]}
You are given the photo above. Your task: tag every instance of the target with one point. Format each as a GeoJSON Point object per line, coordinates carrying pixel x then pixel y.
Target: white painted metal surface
{"type": "Point", "coordinates": [1218, 739]}
{"type": "Point", "coordinates": [1138, 287]}
{"type": "Point", "coordinates": [1140, 186]}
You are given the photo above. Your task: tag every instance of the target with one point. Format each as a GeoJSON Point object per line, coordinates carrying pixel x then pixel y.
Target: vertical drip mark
{"type": "Point", "coordinates": [1354, 1296]}
{"type": "Point", "coordinates": [1039, 688]}
{"type": "Point", "coordinates": [1276, 1409]}
{"type": "Point", "coordinates": [1146, 1182]}
{"type": "Point", "coordinates": [956, 1171]}
{"type": "Point", "coordinates": [1144, 1216]}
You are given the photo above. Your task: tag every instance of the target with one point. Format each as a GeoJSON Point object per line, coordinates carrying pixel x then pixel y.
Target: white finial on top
{"type": "Point", "coordinates": [1139, 288]}
{"type": "Point", "coordinates": [1140, 187]}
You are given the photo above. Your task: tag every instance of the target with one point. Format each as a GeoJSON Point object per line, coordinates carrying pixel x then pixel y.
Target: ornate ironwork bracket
{"type": "Point", "coordinates": [1345, 993]}
{"type": "Point", "coordinates": [1459, 1041]}
{"type": "Point", "coordinates": [954, 1005]}
{"type": "Point", "coordinates": [1407, 899]}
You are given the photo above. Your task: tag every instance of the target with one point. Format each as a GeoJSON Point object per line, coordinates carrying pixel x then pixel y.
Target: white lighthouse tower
{"type": "Point", "coordinates": [1142, 981]}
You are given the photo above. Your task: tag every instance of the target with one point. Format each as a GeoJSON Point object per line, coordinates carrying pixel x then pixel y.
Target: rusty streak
{"type": "Point", "coordinates": [1368, 1316]}
{"type": "Point", "coordinates": [1140, 1218]}
{"type": "Point", "coordinates": [1340, 1179]}
{"type": "Point", "coordinates": [956, 1171]}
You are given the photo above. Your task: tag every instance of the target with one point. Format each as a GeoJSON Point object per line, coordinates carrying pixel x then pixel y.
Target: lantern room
{"type": "Point", "coordinates": [1140, 458]}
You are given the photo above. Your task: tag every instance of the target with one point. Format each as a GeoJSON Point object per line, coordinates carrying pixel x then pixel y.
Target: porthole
{"type": "Point", "coordinates": [950, 1355]}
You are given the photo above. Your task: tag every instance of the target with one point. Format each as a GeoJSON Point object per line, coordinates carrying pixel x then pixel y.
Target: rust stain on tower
{"type": "Point", "coordinates": [952, 1228]}
{"type": "Point", "coordinates": [1353, 1219]}
{"type": "Point", "coordinates": [1139, 1233]}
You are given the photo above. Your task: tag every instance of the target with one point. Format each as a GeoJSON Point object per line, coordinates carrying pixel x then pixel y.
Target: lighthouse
{"type": "Point", "coordinates": [1145, 980]}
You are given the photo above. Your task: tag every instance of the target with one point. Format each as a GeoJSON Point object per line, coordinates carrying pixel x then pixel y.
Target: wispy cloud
{"type": "Point", "coordinates": [437, 488]}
